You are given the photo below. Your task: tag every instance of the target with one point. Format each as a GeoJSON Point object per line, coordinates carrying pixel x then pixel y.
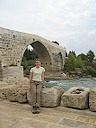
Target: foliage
{"type": "Point", "coordinates": [72, 59]}
{"type": "Point", "coordinates": [83, 56]}
{"type": "Point", "coordinates": [72, 62]}
{"type": "Point", "coordinates": [31, 55]}
{"type": "Point", "coordinates": [79, 62]}
{"type": "Point", "coordinates": [28, 60]}
{"type": "Point", "coordinates": [90, 56]}
{"type": "Point", "coordinates": [24, 62]}
{"type": "Point", "coordinates": [88, 70]}
{"type": "Point", "coordinates": [68, 66]}
{"type": "Point", "coordinates": [83, 63]}
{"type": "Point", "coordinates": [73, 52]}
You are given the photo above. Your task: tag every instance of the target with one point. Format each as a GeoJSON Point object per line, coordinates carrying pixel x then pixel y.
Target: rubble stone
{"type": "Point", "coordinates": [76, 97]}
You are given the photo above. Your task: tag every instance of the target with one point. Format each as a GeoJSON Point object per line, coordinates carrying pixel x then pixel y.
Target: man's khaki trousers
{"type": "Point", "coordinates": [36, 93]}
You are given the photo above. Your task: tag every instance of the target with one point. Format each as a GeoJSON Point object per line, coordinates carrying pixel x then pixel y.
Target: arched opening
{"type": "Point", "coordinates": [43, 54]}
{"type": "Point", "coordinates": [60, 61]}
{"type": "Point", "coordinates": [38, 50]}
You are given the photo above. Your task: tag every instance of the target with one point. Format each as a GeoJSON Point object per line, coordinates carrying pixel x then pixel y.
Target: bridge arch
{"type": "Point", "coordinates": [13, 45]}
{"type": "Point", "coordinates": [60, 58]}
{"type": "Point", "coordinates": [43, 53]}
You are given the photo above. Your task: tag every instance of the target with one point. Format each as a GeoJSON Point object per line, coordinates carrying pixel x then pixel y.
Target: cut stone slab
{"type": "Point", "coordinates": [92, 99]}
{"type": "Point", "coordinates": [50, 97]}
{"type": "Point", "coordinates": [17, 93]}
{"type": "Point", "coordinates": [14, 92]}
{"type": "Point", "coordinates": [76, 97]}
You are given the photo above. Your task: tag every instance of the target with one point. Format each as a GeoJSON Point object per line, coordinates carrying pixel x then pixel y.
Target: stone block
{"type": "Point", "coordinates": [3, 89]}
{"type": "Point", "coordinates": [12, 73]}
{"type": "Point", "coordinates": [50, 97]}
{"type": "Point", "coordinates": [18, 93]}
{"type": "Point", "coordinates": [92, 99]}
{"type": "Point", "coordinates": [14, 93]}
{"type": "Point", "coordinates": [76, 97]}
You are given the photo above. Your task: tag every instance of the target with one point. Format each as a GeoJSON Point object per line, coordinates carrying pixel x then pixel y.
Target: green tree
{"type": "Point", "coordinates": [24, 62]}
{"type": "Point", "coordinates": [28, 60]}
{"type": "Point", "coordinates": [70, 63]}
{"type": "Point", "coordinates": [90, 56]}
{"type": "Point", "coordinates": [83, 56]}
{"type": "Point", "coordinates": [73, 53]}
{"type": "Point", "coordinates": [88, 70]}
{"type": "Point", "coordinates": [79, 62]}
{"type": "Point", "coordinates": [72, 58]}
{"type": "Point", "coordinates": [31, 55]}
{"type": "Point", "coordinates": [27, 54]}
{"type": "Point", "coordinates": [82, 63]}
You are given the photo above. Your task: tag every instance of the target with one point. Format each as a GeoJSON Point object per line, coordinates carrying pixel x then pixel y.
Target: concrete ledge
{"type": "Point", "coordinates": [76, 97]}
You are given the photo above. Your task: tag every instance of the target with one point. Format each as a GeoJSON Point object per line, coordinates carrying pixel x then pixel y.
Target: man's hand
{"type": "Point", "coordinates": [43, 84]}
{"type": "Point", "coordinates": [30, 88]}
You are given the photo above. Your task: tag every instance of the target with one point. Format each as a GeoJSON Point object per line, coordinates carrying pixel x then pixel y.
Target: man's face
{"type": "Point", "coordinates": [38, 63]}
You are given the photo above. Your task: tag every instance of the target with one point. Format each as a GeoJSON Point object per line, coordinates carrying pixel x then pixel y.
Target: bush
{"type": "Point", "coordinates": [88, 70]}
{"type": "Point", "coordinates": [85, 64]}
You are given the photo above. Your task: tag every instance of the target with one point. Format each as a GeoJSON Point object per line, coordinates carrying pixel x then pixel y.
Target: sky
{"type": "Point", "coordinates": [72, 23]}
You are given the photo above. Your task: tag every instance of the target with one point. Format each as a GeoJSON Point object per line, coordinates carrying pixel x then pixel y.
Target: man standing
{"type": "Point", "coordinates": [36, 78]}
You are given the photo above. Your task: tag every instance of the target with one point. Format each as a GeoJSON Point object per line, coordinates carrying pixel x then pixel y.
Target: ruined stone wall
{"type": "Point", "coordinates": [13, 45]}
{"type": "Point", "coordinates": [12, 72]}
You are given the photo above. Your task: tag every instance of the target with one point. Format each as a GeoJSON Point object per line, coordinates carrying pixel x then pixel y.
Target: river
{"type": "Point", "coordinates": [66, 84]}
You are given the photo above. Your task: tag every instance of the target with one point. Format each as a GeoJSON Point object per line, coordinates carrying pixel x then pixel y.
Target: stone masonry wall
{"type": "Point", "coordinates": [12, 73]}
{"type": "Point", "coordinates": [13, 45]}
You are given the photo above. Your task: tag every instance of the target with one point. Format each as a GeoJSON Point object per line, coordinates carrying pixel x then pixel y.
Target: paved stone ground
{"type": "Point", "coordinates": [15, 115]}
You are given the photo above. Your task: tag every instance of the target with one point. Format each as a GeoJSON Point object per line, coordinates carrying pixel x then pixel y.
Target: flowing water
{"type": "Point", "coordinates": [66, 84]}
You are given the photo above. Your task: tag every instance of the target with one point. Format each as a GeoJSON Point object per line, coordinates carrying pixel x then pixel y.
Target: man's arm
{"type": "Point", "coordinates": [30, 76]}
{"type": "Point", "coordinates": [30, 79]}
{"type": "Point", "coordinates": [42, 77]}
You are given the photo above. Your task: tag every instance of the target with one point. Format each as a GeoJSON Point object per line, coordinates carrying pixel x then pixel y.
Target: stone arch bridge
{"type": "Point", "coordinates": [13, 45]}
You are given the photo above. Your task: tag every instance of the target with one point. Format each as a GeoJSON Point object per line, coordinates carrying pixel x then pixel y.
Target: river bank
{"type": "Point", "coordinates": [68, 83]}
{"type": "Point", "coordinates": [63, 76]}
